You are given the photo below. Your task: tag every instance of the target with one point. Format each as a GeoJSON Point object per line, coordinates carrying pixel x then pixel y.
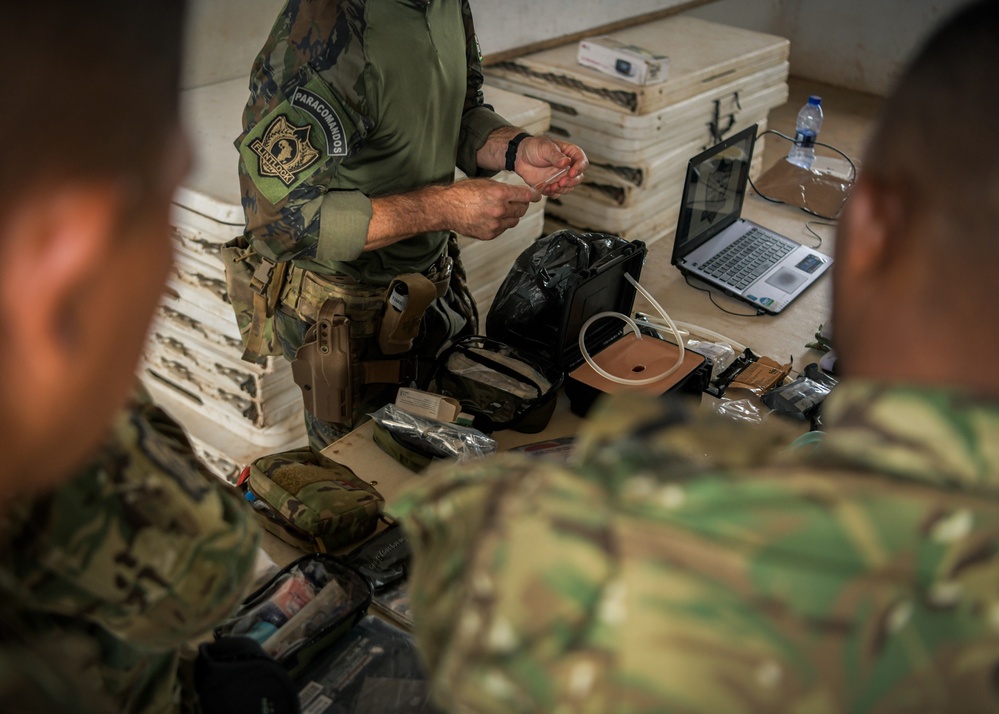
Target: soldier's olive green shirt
{"type": "Point", "coordinates": [861, 576]}
{"type": "Point", "coordinates": [352, 100]}
{"type": "Point", "coordinates": [140, 553]}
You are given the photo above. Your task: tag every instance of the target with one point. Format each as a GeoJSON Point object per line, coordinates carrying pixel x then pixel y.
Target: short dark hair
{"type": "Point", "coordinates": [935, 140]}
{"type": "Point", "coordinates": [90, 88]}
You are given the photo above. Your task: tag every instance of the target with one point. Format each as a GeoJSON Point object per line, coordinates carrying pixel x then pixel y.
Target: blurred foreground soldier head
{"type": "Point", "coordinates": [919, 244]}
{"type": "Point", "coordinates": [92, 152]}
{"type": "Point", "coordinates": [862, 575]}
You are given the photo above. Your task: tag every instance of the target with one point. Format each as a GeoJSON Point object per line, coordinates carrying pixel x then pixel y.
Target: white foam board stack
{"type": "Point", "coordinates": [639, 138]}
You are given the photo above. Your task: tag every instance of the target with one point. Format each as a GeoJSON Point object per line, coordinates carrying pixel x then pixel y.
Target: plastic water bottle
{"type": "Point", "coordinates": [802, 152]}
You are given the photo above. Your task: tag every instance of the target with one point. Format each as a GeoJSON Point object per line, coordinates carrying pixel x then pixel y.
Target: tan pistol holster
{"type": "Point", "coordinates": [343, 351]}
{"type": "Point", "coordinates": [323, 366]}
{"type": "Point", "coordinates": [339, 355]}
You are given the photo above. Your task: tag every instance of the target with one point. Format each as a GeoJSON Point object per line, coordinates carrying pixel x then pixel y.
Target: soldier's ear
{"type": "Point", "coordinates": [54, 245]}
{"type": "Point", "coordinates": [874, 225]}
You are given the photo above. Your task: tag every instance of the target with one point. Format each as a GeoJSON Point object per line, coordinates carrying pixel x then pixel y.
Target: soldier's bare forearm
{"type": "Point", "coordinates": [394, 218]}
{"type": "Point", "coordinates": [479, 208]}
{"type": "Point", "coordinates": [492, 155]}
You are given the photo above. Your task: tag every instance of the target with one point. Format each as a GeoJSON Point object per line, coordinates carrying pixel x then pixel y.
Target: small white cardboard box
{"type": "Point", "coordinates": [428, 405]}
{"type": "Point", "coordinates": [628, 62]}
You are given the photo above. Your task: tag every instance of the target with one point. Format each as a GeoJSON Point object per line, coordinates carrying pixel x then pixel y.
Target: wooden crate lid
{"type": "Point", "coordinates": [701, 55]}
{"type": "Point", "coordinates": [602, 145]}
{"type": "Point", "coordinates": [645, 126]}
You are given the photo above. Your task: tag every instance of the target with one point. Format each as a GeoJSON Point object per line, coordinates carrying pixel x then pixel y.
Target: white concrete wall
{"type": "Point", "coordinates": [225, 35]}
{"type": "Point", "coordinates": [858, 44]}
{"type": "Point", "coordinates": [773, 16]}
{"type": "Point", "coordinates": [509, 24]}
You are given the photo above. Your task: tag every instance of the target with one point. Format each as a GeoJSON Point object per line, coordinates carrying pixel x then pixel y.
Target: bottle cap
{"type": "Point", "coordinates": [817, 101]}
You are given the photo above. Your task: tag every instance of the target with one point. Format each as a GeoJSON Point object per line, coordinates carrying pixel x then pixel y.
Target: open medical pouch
{"type": "Point", "coordinates": [501, 386]}
{"type": "Point", "coordinates": [302, 610]}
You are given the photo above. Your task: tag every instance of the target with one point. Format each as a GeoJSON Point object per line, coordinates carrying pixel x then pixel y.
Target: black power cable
{"type": "Point", "coordinates": [853, 174]}
{"type": "Point", "coordinates": [759, 312]}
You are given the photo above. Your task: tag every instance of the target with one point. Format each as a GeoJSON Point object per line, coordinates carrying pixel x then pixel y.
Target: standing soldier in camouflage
{"type": "Point", "coordinates": [359, 112]}
{"type": "Point", "coordinates": [107, 569]}
{"type": "Point", "coordinates": [862, 576]}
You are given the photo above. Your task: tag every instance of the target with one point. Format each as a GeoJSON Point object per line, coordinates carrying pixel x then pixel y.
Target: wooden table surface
{"type": "Point", "coordinates": [780, 337]}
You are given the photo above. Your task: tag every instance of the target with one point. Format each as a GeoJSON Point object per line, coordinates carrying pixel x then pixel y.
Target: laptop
{"type": "Point", "coordinates": [716, 245]}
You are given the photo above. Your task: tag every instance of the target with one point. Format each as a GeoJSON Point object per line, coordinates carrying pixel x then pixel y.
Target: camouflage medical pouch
{"type": "Point", "coordinates": [310, 501]}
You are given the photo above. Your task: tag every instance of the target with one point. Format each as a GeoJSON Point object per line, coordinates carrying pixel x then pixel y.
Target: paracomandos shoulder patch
{"type": "Point", "coordinates": [300, 135]}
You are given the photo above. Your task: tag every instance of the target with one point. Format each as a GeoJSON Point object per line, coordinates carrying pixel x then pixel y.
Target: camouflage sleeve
{"type": "Point", "coordinates": [644, 580]}
{"type": "Point", "coordinates": [307, 113]}
{"type": "Point", "coordinates": [49, 674]}
{"type": "Point", "coordinates": [478, 120]}
{"type": "Point", "coordinates": [144, 542]}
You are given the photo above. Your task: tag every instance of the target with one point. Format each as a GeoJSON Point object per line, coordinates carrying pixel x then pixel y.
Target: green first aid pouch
{"type": "Point", "coordinates": [311, 501]}
{"type": "Point", "coordinates": [301, 611]}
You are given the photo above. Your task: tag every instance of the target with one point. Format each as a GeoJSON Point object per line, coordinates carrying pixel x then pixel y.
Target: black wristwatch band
{"type": "Point", "coordinates": [511, 150]}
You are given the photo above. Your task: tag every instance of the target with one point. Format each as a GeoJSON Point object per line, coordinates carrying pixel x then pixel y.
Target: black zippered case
{"type": "Point", "coordinates": [319, 597]}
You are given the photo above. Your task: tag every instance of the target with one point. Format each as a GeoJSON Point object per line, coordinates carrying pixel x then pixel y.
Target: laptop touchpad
{"type": "Point", "coordinates": [786, 279]}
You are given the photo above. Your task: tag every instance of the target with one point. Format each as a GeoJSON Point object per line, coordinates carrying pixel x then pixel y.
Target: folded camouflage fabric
{"type": "Point", "coordinates": [311, 501]}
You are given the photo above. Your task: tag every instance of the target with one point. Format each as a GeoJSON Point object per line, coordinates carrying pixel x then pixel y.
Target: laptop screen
{"type": "Point", "coordinates": [714, 191]}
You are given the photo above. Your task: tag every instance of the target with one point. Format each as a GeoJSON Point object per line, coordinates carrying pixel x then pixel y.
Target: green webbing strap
{"type": "Point", "coordinates": [268, 280]}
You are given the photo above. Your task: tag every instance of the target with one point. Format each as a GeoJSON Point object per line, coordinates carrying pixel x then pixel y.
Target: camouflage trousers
{"type": "Point", "coordinates": [452, 316]}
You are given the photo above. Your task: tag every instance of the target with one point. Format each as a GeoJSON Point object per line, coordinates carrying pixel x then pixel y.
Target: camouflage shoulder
{"type": "Point", "coordinates": [466, 519]}
{"type": "Point", "coordinates": [307, 107]}
{"type": "Point", "coordinates": [631, 432]}
{"type": "Point", "coordinates": [140, 541]}
{"type": "Point", "coordinates": [44, 668]}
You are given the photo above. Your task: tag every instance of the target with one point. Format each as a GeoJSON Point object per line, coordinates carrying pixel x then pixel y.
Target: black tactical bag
{"type": "Point", "coordinates": [537, 308]}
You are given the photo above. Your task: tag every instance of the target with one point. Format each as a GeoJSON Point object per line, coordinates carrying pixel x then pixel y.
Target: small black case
{"type": "Point", "coordinates": [234, 674]}
{"type": "Point", "coordinates": [458, 373]}
{"type": "Point", "coordinates": [323, 630]}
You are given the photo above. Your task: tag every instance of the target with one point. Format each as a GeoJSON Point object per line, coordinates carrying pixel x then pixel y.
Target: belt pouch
{"type": "Point", "coordinates": [407, 298]}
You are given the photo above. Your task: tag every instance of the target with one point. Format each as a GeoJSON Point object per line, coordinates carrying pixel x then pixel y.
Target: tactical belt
{"type": "Point", "coordinates": [304, 293]}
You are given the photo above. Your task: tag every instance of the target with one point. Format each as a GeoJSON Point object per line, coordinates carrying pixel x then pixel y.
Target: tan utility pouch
{"type": "Point", "coordinates": [254, 286]}
{"type": "Point", "coordinates": [406, 300]}
{"type": "Point", "coordinates": [323, 367]}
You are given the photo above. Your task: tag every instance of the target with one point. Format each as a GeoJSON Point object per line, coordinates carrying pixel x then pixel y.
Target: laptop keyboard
{"type": "Point", "coordinates": [747, 258]}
